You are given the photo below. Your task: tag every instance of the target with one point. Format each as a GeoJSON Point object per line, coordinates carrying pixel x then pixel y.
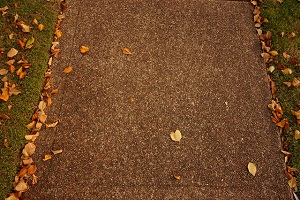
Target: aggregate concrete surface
{"type": "Point", "coordinates": [196, 67]}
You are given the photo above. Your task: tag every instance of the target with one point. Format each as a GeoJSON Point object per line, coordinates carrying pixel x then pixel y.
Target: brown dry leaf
{"type": "Point", "coordinates": [176, 136]}
{"type": "Point", "coordinates": [35, 21]}
{"type": "Point", "coordinates": [52, 125]}
{"type": "Point", "coordinates": [25, 28]}
{"type": "Point", "coordinates": [10, 105]}
{"type": "Point", "coordinates": [31, 170]}
{"type": "Point", "coordinates": [291, 35]}
{"type": "Point", "coordinates": [21, 186]}
{"type": "Point", "coordinates": [32, 137]}
{"type": "Point", "coordinates": [126, 51]}
{"type": "Point", "coordinates": [266, 56]}
{"type": "Point", "coordinates": [273, 53]}
{"type": "Point", "coordinates": [287, 71]}
{"type": "Point", "coordinates": [285, 55]}
{"type": "Point", "coordinates": [288, 84]}
{"type": "Point", "coordinates": [268, 35]}
{"type": "Point", "coordinates": [34, 179]}
{"type": "Point", "coordinates": [42, 116]}
{"type": "Point", "coordinates": [176, 177]}
{"type": "Point", "coordinates": [38, 126]}
{"type": "Point", "coordinates": [48, 101]}
{"type": "Point", "coordinates": [28, 161]}
{"type": "Point", "coordinates": [4, 116]}
{"type": "Point", "coordinates": [288, 154]}
{"type": "Point", "coordinates": [23, 171]}
{"type": "Point", "coordinates": [41, 27]}
{"type": "Point", "coordinates": [5, 143]}
{"type": "Point", "coordinates": [50, 61]}
{"type": "Point", "coordinates": [54, 91]}
{"type": "Point", "coordinates": [42, 105]}
{"type": "Point", "coordinates": [57, 151]}
{"type": "Point", "coordinates": [47, 157]}
{"type": "Point", "coordinates": [29, 149]}
{"type": "Point", "coordinates": [4, 96]}
{"type": "Point", "coordinates": [297, 135]}
{"type": "Point", "coordinates": [282, 123]}
{"type": "Point", "coordinates": [280, 1]}
{"type": "Point", "coordinates": [3, 71]}
{"type": "Point", "coordinates": [12, 52]}
{"type": "Point", "coordinates": [84, 49]}
{"type": "Point", "coordinates": [31, 125]}
{"type": "Point", "coordinates": [4, 8]}
{"type": "Point", "coordinates": [10, 62]}
{"type": "Point", "coordinates": [292, 182]}
{"type": "Point", "coordinates": [58, 33]}
{"type": "Point", "coordinates": [296, 82]}
{"type": "Point", "coordinates": [67, 69]}
{"type": "Point", "coordinates": [11, 68]}
{"type": "Point", "coordinates": [12, 197]}
{"type": "Point", "coordinates": [265, 20]}
{"type": "Point", "coordinates": [252, 168]}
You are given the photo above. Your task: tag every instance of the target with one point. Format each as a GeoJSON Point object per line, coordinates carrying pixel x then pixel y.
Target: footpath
{"type": "Point", "coordinates": [195, 67]}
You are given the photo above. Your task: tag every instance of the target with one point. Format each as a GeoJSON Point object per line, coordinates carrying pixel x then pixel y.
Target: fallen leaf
{"type": "Point", "coordinates": [31, 170]}
{"type": "Point", "coordinates": [41, 27]}
{"type": "Point", "coordinates": [176, 177]}
{"type": "Point", "coordinates": [28, 161]}
{"type": "Point", "coordinates": [280, 1]}
{"type": "Point", "coordinates": [5, 143]}
{"type": "Point", "coordinates": [4, 116]}
{"type": "Point", "coordinates": [12, 52]}
{"type": "Point", "coordinates": [12, 197]}
{"type": "Point", "coordinates": [252, 168]}
{"type": "Point", "coordinates": [288, 154]}
{"type": "Point", "coordinates": [34, 179]}
{"type": "Point", "coordinates": [29, 149]}
{"type": "Point", "coordinates": [296, 82]}
{"type": "Point", "coordinates": [52, 125]}
{"type": "Point", "coordinates": [268, 35]}
{"type": "Point", "coordinates": [288, 84]}
{"type": "Point", "coordinates": [54, 91]}
{"type": "Point", "coordinates": [176, 136]}
{"type": "Point", "coordinates": [21, 44]}
{"type": "Point", "coordinates": [11, 68]}
{"type": "Point", "coordinates": [273, 53]}
{"type": "Point", "coordinates": [3, 71]}
{"type": "Point", "coordinates": [57, 151]}
{"type": "Point", "coordinates": [21, 186]}
{"type": "Point", "coordinates": [4, 8]}
{"type": "Point", "coordinates": [29, 43]}
{"type": "Point", "coordinates": [287, 71]}
{"type": "Point", "coordinates": [47, 157]}
{"type": "Point", "coordinates": [84, 49]}
{"type": "Point", "coordinates": [50, 61]}
{"type": "Point", "coordinates": [126, 51]}
{"type": "Point", "coordinates": [25, 28]}
{"type": "Point", "coordinates": [67, 69]}
{"type": "Point", "coordinates": [271, 68]}
{"type": "Point", "coordinates": [285, 55]}
{"type": "Point", "coordinates": [266, 56]}
{"type": "Point", "coordinates": [31, 125]}
{"type": "Point", "coordinates": [292, 182]}
{"type": "Point", "coordinates": [42, 116]}
{"type": "Point", "coordinates": [10, 62]}
{"type": "Point", "coordinates": [58, 33]}
{"type": "Point", "coordinates": [42, 105]}
{"type": "Point", "coordinates": [35, 21]}
{"type": "Point", "coordinates": [291, 35]}
{"type": "Point", "coordinates": [32, 137]}
{"type": "Point", "coordinates": [265, 20]}
{"type": "Point", "coordinates": [38, 126]}
{"type": "Point", "coordinates": [4, 96]}
{"type": "Point", "coordinates": [297, 135]}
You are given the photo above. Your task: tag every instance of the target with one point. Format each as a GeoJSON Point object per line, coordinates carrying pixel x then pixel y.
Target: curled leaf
{"type": "Point", "coordinates": [47, 157]}
{"type": "Point", "coordinates": [68, 69]}
{"type": "Point", "coordinates": [126, 51]}
{"type": "Point", "coordinates": [57, 151]}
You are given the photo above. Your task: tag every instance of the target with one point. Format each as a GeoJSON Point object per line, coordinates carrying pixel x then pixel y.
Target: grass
{"type": "Point", "coordinates": [285, 17]}
{"type": "Point", "coordinates": [24, 104]}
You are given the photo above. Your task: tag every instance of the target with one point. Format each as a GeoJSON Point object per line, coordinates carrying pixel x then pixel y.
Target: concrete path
{"type": "Point", "coordinates": [195, 66]}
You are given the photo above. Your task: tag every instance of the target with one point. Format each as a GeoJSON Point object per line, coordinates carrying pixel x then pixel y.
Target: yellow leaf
{"type": "Point", "coordinates": [41, 27]}
{"type": "Point", "coordinates": [297, 135]}
{"type": "Point", "coordinates": [58, 33]}
{"type": "Point", "coordinates": [12, 52]}
{"type": "Point", "coordinates": [67, 69]}
{"type": "Point", "coordinates": [285, 55]}
{"type": "Point", "coordinates": [84, 49]}
{"type": "Point", "coordinates": [35, 21]}
{"type": "Point", "coordinates": [273, 53]}
{"type": "Point", "coordinates": [292, 182]}
{"type": "Point", "coordinates": [252, 168]}
{"type": "Point", "coordinates": [126, 51]}
{"type": "Point", "coordinates": [4, 96]}
{"type": "Point", "coordinates": [32, 137]}
{"type": "Point", "coordinates": [176, 136]}
{"type": "Point", "coordinates": [47, 157]}
{"type": "Point", "coordinates": [29, 149]}
{"type": "Point", "coordinates": [287, 71]}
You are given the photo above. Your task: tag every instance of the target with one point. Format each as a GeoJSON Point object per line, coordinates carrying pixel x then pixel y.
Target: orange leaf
{"type": "Point", "coordinates": [4, 116]}
{"type": "Point", "coordinates": [47, 157]}
{"type": "Point", "coordinates": [126, 51]}
{"type": "Point", "coordinates": [84, 49]}
{"type": "Point", "coordinates": [67, 69]}
{"type": "Point", "coordinates": [5, 143]}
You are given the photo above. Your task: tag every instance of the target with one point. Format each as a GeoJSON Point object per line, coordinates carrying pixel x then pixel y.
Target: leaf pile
{"type": "Point", "coordinates": [280, 63]}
